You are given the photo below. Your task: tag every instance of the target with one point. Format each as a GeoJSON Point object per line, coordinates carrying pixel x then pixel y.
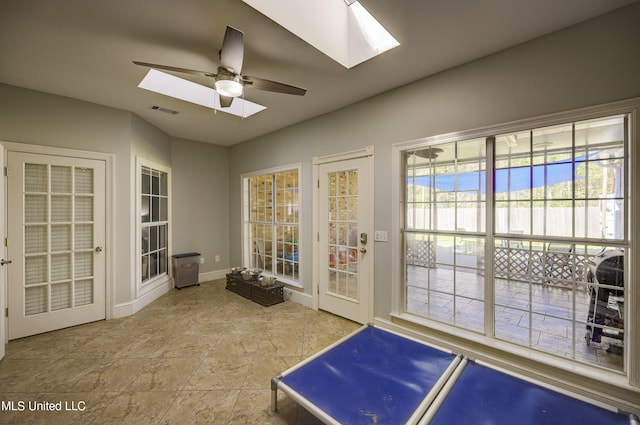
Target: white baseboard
{"type": "Point", "coordinates": [121, 310]}
{"type": "Point", "coordinates": [132, 307]}
{"type": "Point", "coordinates": [214, 275]}
{"type": "Point", "coordinates": [298, 297]}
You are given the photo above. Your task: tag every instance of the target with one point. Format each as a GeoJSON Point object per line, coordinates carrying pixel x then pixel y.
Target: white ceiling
{"type": "Point", "coordinates": [83, 49]}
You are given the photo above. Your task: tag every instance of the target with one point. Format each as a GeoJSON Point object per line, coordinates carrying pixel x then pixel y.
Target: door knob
{"type": "Point", "coordinates": [98, 249]}
{"type": "Point", "coordinates": [3, 262]}
{"type": "Point", "coordinates": [363, 250]}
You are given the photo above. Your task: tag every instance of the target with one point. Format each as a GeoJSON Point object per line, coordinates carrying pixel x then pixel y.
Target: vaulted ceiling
{"type": "Point", "coordinates": [84, 49]}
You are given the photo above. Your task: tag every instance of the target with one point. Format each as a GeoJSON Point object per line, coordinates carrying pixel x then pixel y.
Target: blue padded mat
{"type": "Point", "coordinates": [488, 397]}
{"type": "Point", "coordinates": [373, 377]}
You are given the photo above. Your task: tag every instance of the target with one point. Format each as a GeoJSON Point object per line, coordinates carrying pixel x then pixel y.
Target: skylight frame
{"type": "Point", "coordinates": [335, 27]}
{"type": "Point", "coordinates": [179, 88]}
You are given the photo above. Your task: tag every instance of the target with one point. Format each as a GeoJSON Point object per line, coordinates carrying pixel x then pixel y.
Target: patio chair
{"type": "Point", "coordinates": [558, 263]}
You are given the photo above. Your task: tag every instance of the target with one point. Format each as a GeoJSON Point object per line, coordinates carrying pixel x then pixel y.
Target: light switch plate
{"type": "Point", "coordinates": [381, 236]}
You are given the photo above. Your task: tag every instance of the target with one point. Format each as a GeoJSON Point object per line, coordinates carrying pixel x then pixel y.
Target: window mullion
{"type": "Point", "coordinates": [531, 196]}
{"type": "Point", "coordinates": [489, 246]}
{"type": "Point", "coordinates": [274, 209]}
{"type": "Point", "coordinates": [573, 180]}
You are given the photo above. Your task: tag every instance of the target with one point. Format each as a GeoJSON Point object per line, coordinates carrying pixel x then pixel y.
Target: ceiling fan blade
{"type": "Point", "coordinates": [175, 69]}
{"type": "Point", "coordinates": [225, 101]}
{"type": "Point", "coordinates": [232, 51]}
{"type": "Point", "coordinates": [274, 86]}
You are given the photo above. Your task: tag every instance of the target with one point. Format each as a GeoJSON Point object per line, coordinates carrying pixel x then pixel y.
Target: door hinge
{"type": "Point", "coordinates": [6, 241]}
{"type": "Point", "coordinates": [318, 236]}
{"type": "Point", "coordinates": [318, 183]}
{"type": "Point", "coordinates": [6, 171]}
{"type": "Point", "coordinates": [6, 312]}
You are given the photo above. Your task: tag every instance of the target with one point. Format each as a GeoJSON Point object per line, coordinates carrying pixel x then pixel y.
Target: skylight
{"type": "Point", "coordinates": [169, 85]}
{"type": "Point", "coordinates": [376, 36]}
{"type": "Point", "coordinates": [343, 30]}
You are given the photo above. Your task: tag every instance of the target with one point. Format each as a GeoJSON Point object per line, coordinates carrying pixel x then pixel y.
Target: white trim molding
{"type": "Point", "coordinates": [298, 297]}
{"type": "Point", "coordinates": [213, 275]}
{"type": "Point", "coordinates": [358, 153]}
{"type": "Point", "coordinates": [366, 152]}
{"type": "Point", "coordinates": [245, 220]}
{"type": "Point", "coordinates": [110, 206]}
{"type": "Point", "coordinates": [141, 290]}
{"type": "Point", "coordinates": [132, 307]}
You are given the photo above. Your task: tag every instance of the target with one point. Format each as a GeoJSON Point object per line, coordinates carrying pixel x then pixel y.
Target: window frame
{"type": "Point", "coordinates": [247, 249]}
{"type": "Point", "coordinates": [143, 287]}
{"type": "Point", "coordinates": [483, 344]}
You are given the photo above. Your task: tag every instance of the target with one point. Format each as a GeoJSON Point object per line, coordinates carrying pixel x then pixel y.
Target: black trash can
{"type": "Point", "coordinates": [186, 268]}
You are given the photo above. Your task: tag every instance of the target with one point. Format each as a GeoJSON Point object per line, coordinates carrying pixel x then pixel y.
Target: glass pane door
{"type": "Point", "coordinates": [58, 235]}
{"type": "Point", "coordinates": [343, 233]}
{"type": "Point", "coordinates": [344, 250]}
{"type": "Point", "coordinates": [56, 229]}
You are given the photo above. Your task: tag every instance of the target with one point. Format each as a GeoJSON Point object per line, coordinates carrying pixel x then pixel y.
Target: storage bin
{"type": "Point", "coordinates": [269, 295]}
{"type": "Point", "coordinates": [238, 285]}
{"type": "Point", "coordinates": [263, 295]}
{"type": "Point", "coordinates": [186, 269]}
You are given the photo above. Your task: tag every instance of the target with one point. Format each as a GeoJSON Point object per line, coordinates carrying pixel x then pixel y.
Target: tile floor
{"type": "Point", "coordinates": [200, 355]}
{"type": "Point", "coordinates": [534, 315]}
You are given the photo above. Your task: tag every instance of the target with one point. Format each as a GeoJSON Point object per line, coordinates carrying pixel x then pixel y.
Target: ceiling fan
{"type": "Point", "coordinates": [428, 152]}
{"type": "Point", "coordinates": [228, 81]}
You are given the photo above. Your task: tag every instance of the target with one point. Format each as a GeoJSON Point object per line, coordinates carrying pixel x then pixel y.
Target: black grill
{"type": "Point", "coordinates": [606, 273]}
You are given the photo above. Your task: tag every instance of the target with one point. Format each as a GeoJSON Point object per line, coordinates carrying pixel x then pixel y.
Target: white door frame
{"type": "Point", "coordinates": [108, 248]}
{"type": "Point", "coordinates": [368, 153]}
{"type": "Point", "coordinates": [4, 329]}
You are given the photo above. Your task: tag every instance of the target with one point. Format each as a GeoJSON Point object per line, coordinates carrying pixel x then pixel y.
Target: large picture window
{"type": "Point", "coordinates": [272, 231]}
{"type": "Point", "coordinates": [534, 255]}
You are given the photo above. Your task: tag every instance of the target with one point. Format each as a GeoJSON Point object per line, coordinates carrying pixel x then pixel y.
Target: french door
{"type": "Point", "coordinates": [56, 233]}
{"type": "Point", "coordinates": [344, 239]}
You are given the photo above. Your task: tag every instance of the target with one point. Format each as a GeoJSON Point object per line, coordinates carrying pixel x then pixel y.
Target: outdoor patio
{"type": "Point", "coordinates": [548, 317]}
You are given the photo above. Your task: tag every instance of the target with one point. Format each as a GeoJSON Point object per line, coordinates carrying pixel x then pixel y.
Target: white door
{"type": "Point", "coordinates": [344, 238]}
{"type": "Point", "coordinates": [56, 233]}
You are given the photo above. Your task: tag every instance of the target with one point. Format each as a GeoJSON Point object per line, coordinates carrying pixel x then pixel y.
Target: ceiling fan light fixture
{"type": "Point", "coordinates": [229, 85]}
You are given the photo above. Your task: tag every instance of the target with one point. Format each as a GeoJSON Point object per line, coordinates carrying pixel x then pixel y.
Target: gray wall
{"type": "Point", "coordinates": [149, 142]}
{"type": "Point", "coordinates": [591, 63]}
{"type": "Point", "coordinates": [37, 118]}
{"type": "Point", "coordinates": [200, 191]}
{"type": "Point", "coordinates": [199, 171]}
